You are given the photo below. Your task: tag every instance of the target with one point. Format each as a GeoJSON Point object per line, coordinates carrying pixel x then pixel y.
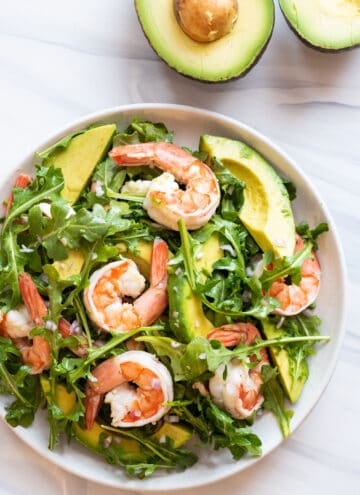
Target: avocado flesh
{"type": "Point", "coordinates": [266, 211]}
{"type": "Point", "coordinates": [186, 314]}
{"type": "Point", "coordinates": [325, 24]}
{"type": "Point", "coordinates": [80, 158]}
{"type": "Point", "coordinates": [280, 358]}
{"type": "Point", "coordinates": [72, 265]}
{"type": "Point", "coordinates": [66, 402]}
{"type": "Point", "coordinates": [220, 60]}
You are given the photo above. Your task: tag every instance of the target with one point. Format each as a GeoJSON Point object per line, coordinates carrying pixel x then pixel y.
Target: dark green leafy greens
{"type": "Point", "coordinates": [103, 218]}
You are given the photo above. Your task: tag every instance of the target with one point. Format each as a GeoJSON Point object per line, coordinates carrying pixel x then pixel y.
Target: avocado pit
{"type": "Point", "coordinates": [206, 20]}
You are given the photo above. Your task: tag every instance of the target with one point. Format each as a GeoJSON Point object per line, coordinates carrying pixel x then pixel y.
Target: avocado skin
{"type": "Point", "coordinates": [206, 81]}
{"type": "Point", "coordinates": [316, 47]}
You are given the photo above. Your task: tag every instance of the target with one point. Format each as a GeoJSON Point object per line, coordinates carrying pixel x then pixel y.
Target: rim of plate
{"type": "Point", "coordinates": [342, 291]}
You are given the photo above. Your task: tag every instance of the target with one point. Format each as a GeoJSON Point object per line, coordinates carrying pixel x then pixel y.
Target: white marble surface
{"type": "Point", "coordinates": [61, 60]}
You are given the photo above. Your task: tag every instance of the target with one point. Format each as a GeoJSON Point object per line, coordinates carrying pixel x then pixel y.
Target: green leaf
{"type": "Point", "coordinates": [165, 346]}
{"type": "Point", "coordinates": [142, 132]}
{"type": "Point", "coordinates": [289, 266]}
{"type": "Point", "coordinates": [47, 185]}
{"type": "Point", "coordinates": [274, 398]}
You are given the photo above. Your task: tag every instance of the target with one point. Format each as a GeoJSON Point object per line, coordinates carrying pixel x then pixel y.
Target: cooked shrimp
{"type": "Point", "coordinates": [232, 334]}
{"type": "Point", "coordinates": [111, 283]}
{"type": "Point", "coordinates": [295, 298]}
{"type": "Point", "coordinates": [240, 392]}
{"type": "Point", "coordinates": [165, 202]}
{"type": "Point", "coordinates": [136, 385]}
{"type": "Point", "coordinates": [17, 324]}
{"type": "Point", "coordinates": [22, 182]}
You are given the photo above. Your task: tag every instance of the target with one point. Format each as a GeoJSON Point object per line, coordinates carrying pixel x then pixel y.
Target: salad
{"type": "Point", "coordinates": [155, 299]}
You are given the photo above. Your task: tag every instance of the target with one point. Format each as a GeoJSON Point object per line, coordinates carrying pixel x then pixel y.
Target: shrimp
{"type": "Point", "coordinates": [295, 298]}
{"type": "Point", "coordinates": [17, 323]}
{"type": "Point", "coordinates": [111, 283]}
{"type": "Point", "coordinates": [165, 202]}
{"type": "Point", "coordinates": [239, 393]}
{"type": "Point", "coordinates": [22, 182]}
{"type": "Point", "coordinates": [136, 385]}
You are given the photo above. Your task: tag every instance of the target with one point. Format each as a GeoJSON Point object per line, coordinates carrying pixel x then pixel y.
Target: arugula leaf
{"type": "Point", "coordinates": [148, 458]}
{"type": "Point", "coordinates": [16, 380]}
{"type": "Point", "coordinates": [306, 233]}
{"type": "Point", "coordinates": [47, 185]}
{"type": "Point", "coordinates": [274, 398]}
{"type": "Point", "coordinates": [239, 440]}
{"type": "Point", "coordinates": [165, 346]}
{"type": "Point", "coordinates": [290, 187]}
{"type": "Point", "coordinates": [232, 189]}
{"type": "Point", "coordinates": [13, 261]}
{"type": "Point", "coordinates": [289, 266]}
{"type": "Point", "coordinates": [201, 355]}
{"type": "Point", "coordinates": [141, 132]}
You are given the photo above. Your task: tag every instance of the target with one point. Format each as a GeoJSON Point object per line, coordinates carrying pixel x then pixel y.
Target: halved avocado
{"type": "Point", "coordinates": [228, 57]}
{"type": "Point", "coordinates": [186, 314]}
{"type": "Point", "coordinates": [266, 211]}
{"type": "Point", "coordinates": [328, 25]}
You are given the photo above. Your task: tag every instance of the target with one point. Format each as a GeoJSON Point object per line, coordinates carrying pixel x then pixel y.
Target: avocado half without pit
{"type": "Point", "coordinates": [209, 40]}
{"type": "Point", "coordinates": [328, 25]}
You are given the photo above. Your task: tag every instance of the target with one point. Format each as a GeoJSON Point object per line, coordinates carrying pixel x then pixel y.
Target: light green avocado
{"type": "Point", "coordinates": [80, 158]}
{"type": "Point", "coordinates": [280, 358]}
{"type": "Point", "coordinates": [324, 24]}
{"type": "Point", "coordinates": [266, 211]}
{"type": "Point", "coordinates": [230, 56]}
{"type": "Point", "coordinates": [72, 265]}
{"type": "Point", "coordinates": [186, 314]}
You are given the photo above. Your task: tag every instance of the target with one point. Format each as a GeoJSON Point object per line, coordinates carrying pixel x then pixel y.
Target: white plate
{"type": "Point", "coordinates": [188, 123]}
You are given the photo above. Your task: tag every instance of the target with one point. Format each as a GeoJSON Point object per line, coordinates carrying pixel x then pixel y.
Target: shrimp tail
{"type": "Point", "coordinates": [152, 303]}
{"type": "Point", "coordinates": [106, 376]}
{"type": "Point", "coordinates": [22, 182]}
{"type": "Point", "coordinates": [233, 334]}
{"type": "Point", "coordinates": [92, 403]}
{"type": "Point", "coordinates": [32, 299]}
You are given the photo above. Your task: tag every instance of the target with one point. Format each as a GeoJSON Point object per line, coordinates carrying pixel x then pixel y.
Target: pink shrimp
{"type": "Point", "coordinates": [295, 298]}
{"type": "Point", "coordinates": [111, 283]}
{"type": "Point", "coordinates": [17, 324]}
{"type": "Point", "coordinates": [22, 182]}
{"type": "Point", "coordinates": [240, 392]}
{"type": "Point", "coordinates": [165, 202]}
{"type": "Point", "coordinates": [136, 385]}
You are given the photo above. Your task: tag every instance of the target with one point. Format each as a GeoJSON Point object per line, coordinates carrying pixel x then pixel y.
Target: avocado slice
{"type": "Point", "coordinates": [266, 211]}
{"type": "Point", "coordinates": [80, 158]}
{"type": "Point", "coordinates": [186, 314]}
{"type": "Point", "coordinates": [280, 358]}
{"type": "Point", "coordinates": [65, 400]}
{"type": "Point", "coordinates": [328, 25]}
{"type": "Point", "coordinates": [72, 265]}
{"type": "Point", "coordinates": [228, 57]}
